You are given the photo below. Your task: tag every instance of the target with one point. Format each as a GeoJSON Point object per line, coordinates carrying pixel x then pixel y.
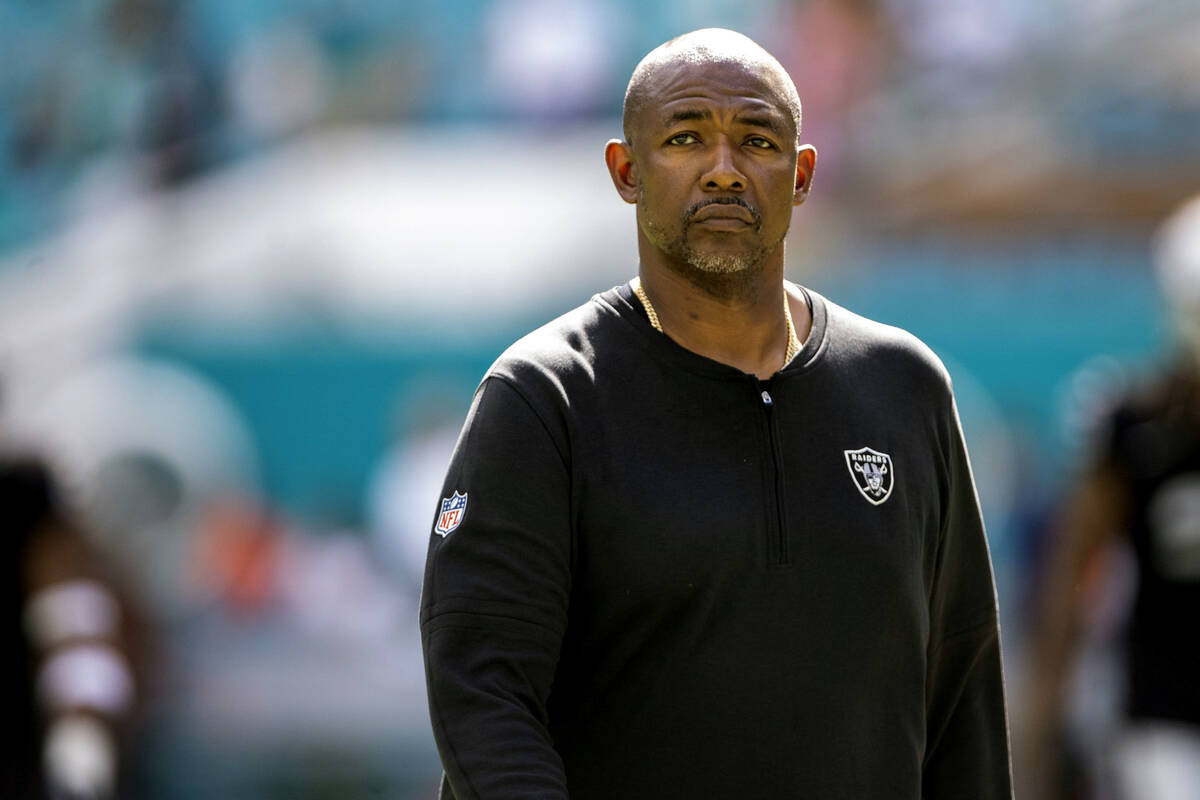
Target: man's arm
{"type": "Point", "coordinates": [494, 602]}
{"type": "Point", "coordinates": [967, 752]}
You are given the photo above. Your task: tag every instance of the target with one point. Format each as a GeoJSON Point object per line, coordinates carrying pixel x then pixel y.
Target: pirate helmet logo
{"type": "Point", "coordinates": [873, 473]}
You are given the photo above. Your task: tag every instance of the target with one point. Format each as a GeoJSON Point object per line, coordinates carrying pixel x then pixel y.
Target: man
{"type": "Point", "coordinates": [78, 648]}
{"type": "Point", "coordinates": [710, 535]}
{"type": "Point", "coordinates": [1143, 483]}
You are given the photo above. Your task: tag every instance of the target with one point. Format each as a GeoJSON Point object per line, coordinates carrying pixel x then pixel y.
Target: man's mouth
{"type": "Point", "coordinates": [724, 215]}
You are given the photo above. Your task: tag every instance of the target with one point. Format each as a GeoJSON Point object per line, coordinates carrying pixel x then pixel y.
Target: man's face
{"type": "Point", "coordinates": [714, 148]}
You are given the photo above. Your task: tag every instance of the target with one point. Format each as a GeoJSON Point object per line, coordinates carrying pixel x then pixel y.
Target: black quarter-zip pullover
{"type": "Point", "coordinates": [669, 579]}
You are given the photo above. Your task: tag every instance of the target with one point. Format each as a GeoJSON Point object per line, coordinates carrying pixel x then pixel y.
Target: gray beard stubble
{"type": "Point", "coordinates": [722, 275]}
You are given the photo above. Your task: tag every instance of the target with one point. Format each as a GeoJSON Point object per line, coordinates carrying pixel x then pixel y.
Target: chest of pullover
{"type": "Point", "coordinates": [732, 596]}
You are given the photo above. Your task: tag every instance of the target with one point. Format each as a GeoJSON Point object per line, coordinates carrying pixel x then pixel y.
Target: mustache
{"type": "Point", "coordinates": [694, 209]}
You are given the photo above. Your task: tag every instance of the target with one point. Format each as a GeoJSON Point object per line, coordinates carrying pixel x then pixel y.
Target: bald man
{"type": "Point", "coordinates": [711, 535]}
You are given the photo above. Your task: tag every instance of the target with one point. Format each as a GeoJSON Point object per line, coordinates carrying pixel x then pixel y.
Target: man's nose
{"type": "Point", "coordinates": [722, 174]}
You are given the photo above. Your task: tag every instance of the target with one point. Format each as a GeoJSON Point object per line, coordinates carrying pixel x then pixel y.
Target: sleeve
{"type": "Point", "coordinates": [494, 602]}
{"type": "Point", "coordinates": [966, 749]}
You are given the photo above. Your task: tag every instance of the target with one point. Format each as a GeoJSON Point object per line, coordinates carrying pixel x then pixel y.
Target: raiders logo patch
{"type": "Point", "coordinates": [873, 473]}
{"type": "Point", "coordinates": [451, 514]}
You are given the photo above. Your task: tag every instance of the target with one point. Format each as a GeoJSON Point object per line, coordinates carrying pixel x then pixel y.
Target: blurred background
{"type": "Point", "coordinates": [255, 256]}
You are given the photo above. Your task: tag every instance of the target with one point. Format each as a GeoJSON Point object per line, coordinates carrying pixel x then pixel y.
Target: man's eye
{"type": "Point", "coordinates": [759, 142]}
{"type": "Point", "coordinates": [681, 138]}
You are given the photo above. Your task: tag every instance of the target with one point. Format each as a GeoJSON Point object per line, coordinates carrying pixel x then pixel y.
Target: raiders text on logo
{"type": "Point", "coordinates": [872, 472]}
{"type": "Point", "coordinates": [451, 514]}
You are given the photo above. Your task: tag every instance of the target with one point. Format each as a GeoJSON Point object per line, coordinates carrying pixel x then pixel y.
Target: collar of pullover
{"type": "Point", "coordinates": [623, 300]}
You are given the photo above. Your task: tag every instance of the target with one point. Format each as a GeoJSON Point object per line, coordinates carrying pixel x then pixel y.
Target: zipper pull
{"type": "Point", "coordinates": [766, 398]}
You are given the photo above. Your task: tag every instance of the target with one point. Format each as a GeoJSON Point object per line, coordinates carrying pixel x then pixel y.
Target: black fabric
{"type": "Point", "coordinates": [664, 585]}
{"type": "Point", "coordinates": [1153, 444]}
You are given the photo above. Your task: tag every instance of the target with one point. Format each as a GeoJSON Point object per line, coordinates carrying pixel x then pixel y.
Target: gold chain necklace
{"type": "Point", "coordinates": [793, 345]}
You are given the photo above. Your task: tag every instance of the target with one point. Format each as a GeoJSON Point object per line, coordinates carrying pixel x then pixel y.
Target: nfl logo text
{"type": "Point", "coordinates": [451, 514]}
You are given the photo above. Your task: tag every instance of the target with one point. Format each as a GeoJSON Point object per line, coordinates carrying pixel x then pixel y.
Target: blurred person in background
{"type": "Point", "coordinates": [1143, 484]}
{"type": "Point", "coordinates": [72, 640]}
{"type": "Point", "coordinates": [669, 560]}
{"type": "Point", "coordinates": [403, 484]}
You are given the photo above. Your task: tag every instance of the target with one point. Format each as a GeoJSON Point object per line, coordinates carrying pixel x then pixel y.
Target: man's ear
{"type": "Point", "coordinates": [619, 157]}
{"type": "Point", "coordinates": [806, 164]}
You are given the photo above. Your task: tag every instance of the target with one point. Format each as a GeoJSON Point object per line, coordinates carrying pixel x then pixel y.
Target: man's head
{"type": "Point", "coordinates": [708, 46]}
{"type": "Point", "coordinates": [1177, 257]}
{"type": "Point", "coordinates": [711, 154]}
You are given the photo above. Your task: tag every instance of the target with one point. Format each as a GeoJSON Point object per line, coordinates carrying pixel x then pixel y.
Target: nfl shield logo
{"type": "Point", "coordinates": [454, 508]}
{"type": "Point", "coordinates": [872, 472]}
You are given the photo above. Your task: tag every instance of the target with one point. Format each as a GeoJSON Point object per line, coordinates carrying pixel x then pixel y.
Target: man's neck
{"type": "Point", "coordinates": [737, 320]}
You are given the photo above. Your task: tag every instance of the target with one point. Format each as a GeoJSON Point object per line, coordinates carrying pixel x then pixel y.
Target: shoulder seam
{"type": "Point", "coordinates": [517, 391]}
